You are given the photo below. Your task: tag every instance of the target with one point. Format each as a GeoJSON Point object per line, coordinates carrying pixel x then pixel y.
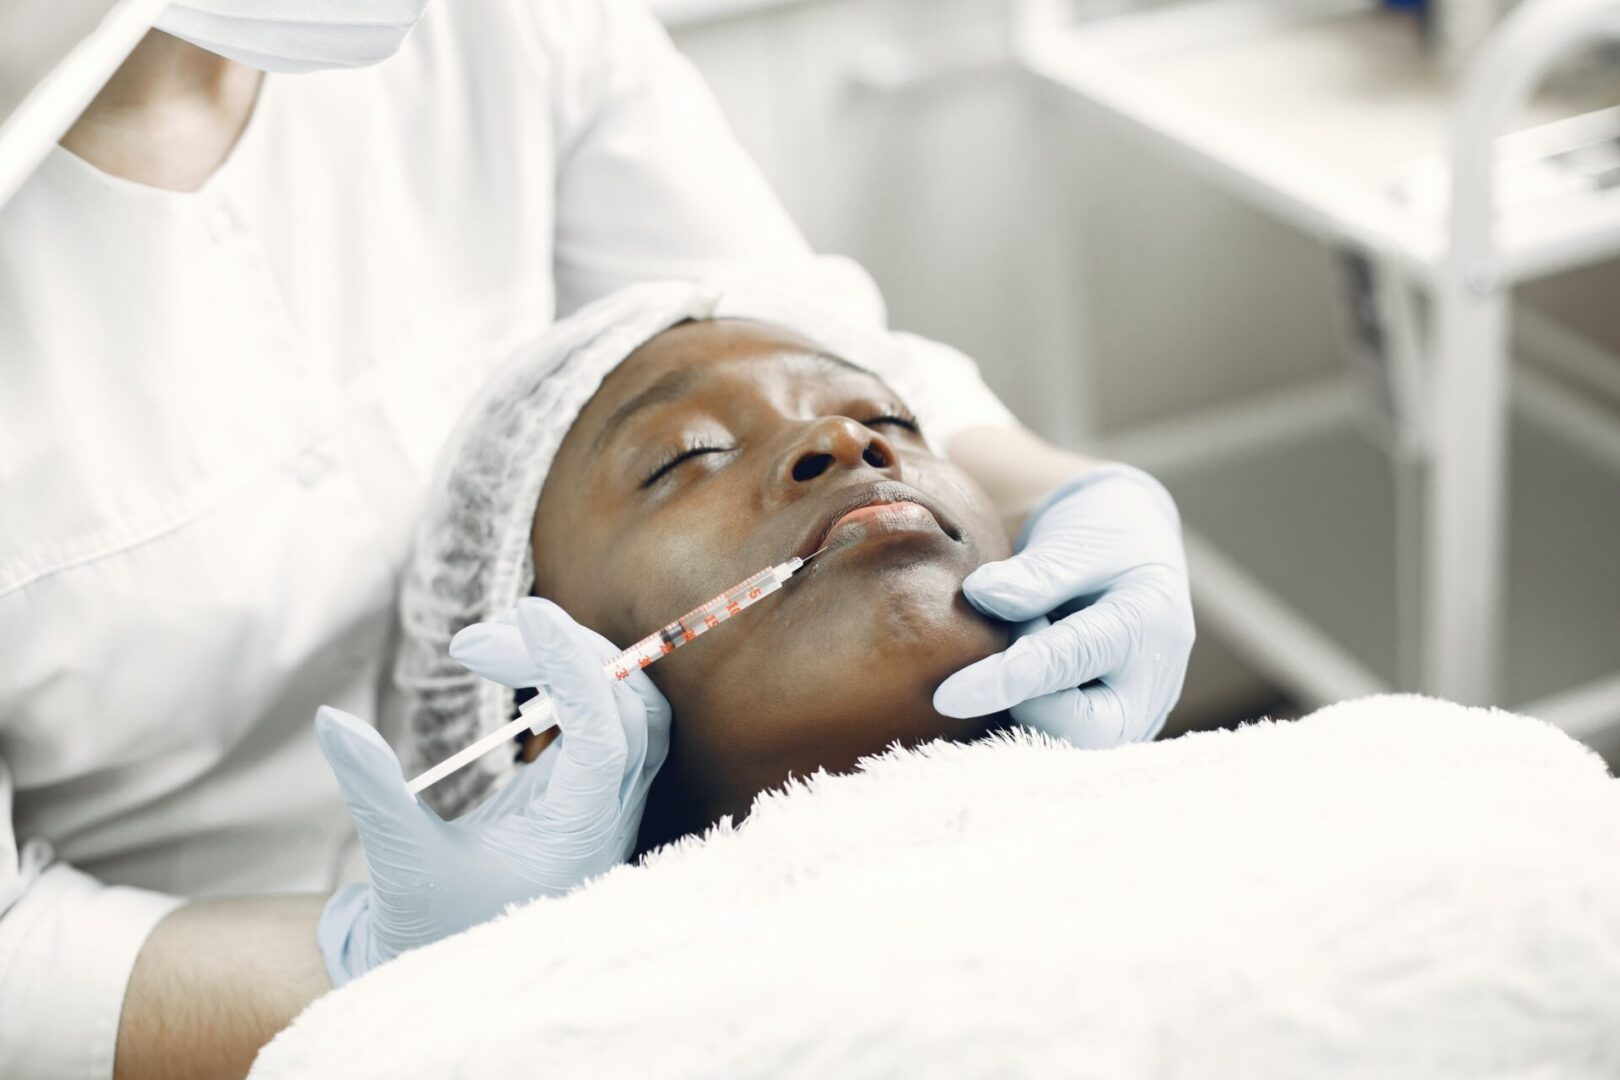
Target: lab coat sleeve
{"type": "Point", "coordinates": [652, 185]}
{"type": "Point", "coordinates": [67, 946]}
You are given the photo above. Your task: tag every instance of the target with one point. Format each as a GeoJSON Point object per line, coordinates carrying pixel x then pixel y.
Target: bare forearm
{"type": "Point", "coordinates": [214, 982]}
{"type": "Point", "coordinates": [1016, 468]}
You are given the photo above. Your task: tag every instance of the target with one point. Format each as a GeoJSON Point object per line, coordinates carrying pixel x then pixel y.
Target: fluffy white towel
{"type": "Point", "coordinates": [1392, 887]}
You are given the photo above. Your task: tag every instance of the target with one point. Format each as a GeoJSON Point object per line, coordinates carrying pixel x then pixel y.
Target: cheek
{"type": "Point", "coordinates": [838, 675]}
{"type": "Point", "coordinates": [629, 582]}
{"type": "Point", "coordinates": [683, 554]}
{"type": "Point", "coordinates": [915, 627]}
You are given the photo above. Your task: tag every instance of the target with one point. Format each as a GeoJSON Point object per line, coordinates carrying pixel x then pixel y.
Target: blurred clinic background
{"type": "Point", "coordinates": [1207, 236]}
{"type": "Point", "coordinates": [1342, 272]}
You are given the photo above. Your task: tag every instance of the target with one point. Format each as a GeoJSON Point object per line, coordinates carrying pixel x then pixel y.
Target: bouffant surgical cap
{"type": "Point", "coordinates": [471, 558]}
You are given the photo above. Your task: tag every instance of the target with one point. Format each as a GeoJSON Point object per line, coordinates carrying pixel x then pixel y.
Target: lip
{"type": "Point", "coordinates": [861, 496]}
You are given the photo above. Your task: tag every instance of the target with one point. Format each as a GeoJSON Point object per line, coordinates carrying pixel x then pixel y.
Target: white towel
{"type": "Point", "coordinates": [1393, 887]}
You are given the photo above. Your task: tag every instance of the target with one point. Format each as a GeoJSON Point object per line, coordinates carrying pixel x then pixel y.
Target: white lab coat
{"type": "Point", "coordinates": [218, 413]}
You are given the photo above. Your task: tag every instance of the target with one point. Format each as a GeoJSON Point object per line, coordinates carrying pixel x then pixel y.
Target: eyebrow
{"type": "Point", "coordinates": [674, 385]}
{"type": "Point", "coordinates": [839, 362]}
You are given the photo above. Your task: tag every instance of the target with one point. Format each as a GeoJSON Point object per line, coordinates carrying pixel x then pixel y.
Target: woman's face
{"type": "Point", "coordinates": [722, 447]}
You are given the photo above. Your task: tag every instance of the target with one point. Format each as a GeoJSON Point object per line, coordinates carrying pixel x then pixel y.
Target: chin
{"type": "Point", "coordinates": [950, 643]}
{"type": "Point", "coordinates": [919, 616]}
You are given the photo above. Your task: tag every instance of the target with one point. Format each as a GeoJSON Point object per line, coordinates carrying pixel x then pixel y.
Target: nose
{"type": "Point", "coordinates": [830, 446]}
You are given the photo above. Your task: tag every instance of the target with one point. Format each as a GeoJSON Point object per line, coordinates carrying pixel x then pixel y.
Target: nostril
{"type": "Point", "coordinates": [875, 456]}
{"type": "Point", "coordinates": [811, 466]}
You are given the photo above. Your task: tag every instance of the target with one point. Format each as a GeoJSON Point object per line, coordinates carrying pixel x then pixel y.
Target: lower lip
{"type": "Point", "coordinates": [880, 519]}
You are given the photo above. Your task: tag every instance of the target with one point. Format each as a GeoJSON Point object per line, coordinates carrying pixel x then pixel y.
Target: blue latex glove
{"type": "Point", "coordinates": [1110, 672]}
{"type": "Point", "coordinates": [541, 835]}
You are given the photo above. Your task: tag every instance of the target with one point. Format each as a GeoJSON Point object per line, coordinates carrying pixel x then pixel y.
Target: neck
{"type": "Point", "coordinates": [168, 116]}
{"type": "Point", "coordinates": [164, 69]}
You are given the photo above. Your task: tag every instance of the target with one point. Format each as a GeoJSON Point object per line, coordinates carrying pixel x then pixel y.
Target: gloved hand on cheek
{"type": "Point", "coordinates": [1109, 672]}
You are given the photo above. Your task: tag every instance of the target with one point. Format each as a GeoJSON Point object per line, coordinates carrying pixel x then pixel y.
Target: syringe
{"type": "Point", "coordinates": [537, 714]}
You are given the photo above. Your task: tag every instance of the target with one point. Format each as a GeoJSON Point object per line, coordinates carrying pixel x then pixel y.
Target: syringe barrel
{"type": "Point", "coordinates": [761, 584]}
{"type": "Point", "coordinates": [538, 713]}
{"type": "Point", "coordinates": [700, 620]}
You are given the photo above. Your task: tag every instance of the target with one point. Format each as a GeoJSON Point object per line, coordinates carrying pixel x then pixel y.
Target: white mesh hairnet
{"type": "Point", "coordinates": [471, 559]}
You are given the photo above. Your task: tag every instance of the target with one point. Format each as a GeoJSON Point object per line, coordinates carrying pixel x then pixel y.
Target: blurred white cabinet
{"type": "Point", "coordinates": [1321, 115]}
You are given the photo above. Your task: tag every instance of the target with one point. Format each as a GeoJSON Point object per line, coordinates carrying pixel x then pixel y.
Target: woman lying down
{"type": "Point", "coordinates": [723, 446]}
{"type": "Point", "coordinates": [718, 447]}
{"type": "Point", "coordinates": [648, 453]}
{"type": "Point", "coordinates": [981, 906]}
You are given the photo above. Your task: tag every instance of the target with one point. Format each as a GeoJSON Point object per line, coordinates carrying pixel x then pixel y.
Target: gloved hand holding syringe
{"type": "Point", "coordinates": [545, 831]}
{"type": "Point", "coordinates": [537, 714]}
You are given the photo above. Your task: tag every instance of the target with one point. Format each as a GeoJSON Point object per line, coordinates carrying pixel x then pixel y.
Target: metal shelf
{"type": "Point", "coordinates": [1330, 116]}
{"type": "Point", "coordinates": [1316, 112]}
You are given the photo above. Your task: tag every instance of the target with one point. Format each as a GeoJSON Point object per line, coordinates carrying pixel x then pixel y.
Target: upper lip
{"type": "Point", "coordinates": [870, 494]}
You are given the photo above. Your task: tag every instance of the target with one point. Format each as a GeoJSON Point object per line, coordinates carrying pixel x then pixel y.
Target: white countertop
{"type": "Point", "coordinates": [1315, 111]}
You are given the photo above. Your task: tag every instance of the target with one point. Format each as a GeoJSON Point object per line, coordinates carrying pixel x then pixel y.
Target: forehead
{"type": "Point", "coordinates": [686, 358]}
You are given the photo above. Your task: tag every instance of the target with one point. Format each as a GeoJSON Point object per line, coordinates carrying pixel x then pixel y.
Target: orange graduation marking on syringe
{"type": "Point", "coordinates": [537, 714]}
{"type": "Point", "coordinates": [703, 618]}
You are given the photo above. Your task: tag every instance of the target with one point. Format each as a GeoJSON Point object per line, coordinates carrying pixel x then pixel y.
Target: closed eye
{"type": "Point", "coordinates": [896, 419]}
{"type": "Point", "coordinates": [674, 460]}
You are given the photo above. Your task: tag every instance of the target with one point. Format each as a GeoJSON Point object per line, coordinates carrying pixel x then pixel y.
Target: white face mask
{"type": "Point", "coordinates": [295, 35]}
